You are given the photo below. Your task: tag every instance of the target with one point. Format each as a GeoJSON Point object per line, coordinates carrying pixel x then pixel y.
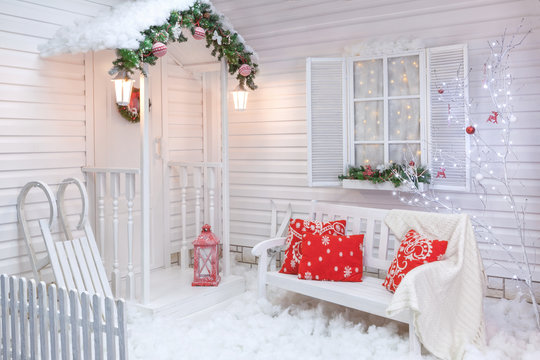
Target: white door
{"type": "Point", "coordinates": [117, 145]}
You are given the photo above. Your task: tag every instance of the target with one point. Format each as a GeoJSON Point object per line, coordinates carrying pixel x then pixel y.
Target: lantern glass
{"type": "Point", "coordinates": [123, 86]}
{"type": "Point", "coordinates": [240, 96]}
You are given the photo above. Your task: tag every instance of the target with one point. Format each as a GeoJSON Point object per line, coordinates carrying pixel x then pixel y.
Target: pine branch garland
{"type": "Point", "coordinates": [199, 14]}
{"type": "Point", "coordinates": [397, 174]}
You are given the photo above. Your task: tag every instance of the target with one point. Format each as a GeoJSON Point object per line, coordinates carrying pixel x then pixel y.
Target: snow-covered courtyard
{"type": "Point", "coordinates": [291, 326]}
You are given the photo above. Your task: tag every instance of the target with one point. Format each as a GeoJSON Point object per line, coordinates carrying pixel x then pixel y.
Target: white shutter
{"type": "Point", "coordinates": [448, 142]}
{"type": "Point", "coordinates": [326, 94]}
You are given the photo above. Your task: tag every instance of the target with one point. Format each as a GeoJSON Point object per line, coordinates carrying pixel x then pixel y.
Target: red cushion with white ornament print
{"type": "Point", "coordinates": [331, 257]}
{"type": "Point", "coordinates": [299, 227]}
{"type": "Point", "coordinates": [414, 250]}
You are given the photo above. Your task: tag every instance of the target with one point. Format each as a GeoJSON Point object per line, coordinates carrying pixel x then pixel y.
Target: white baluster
{"type": "Point", "coordinates": [130, 194]}
{"type": "Point", "coordinates": [197, 183]}
{"type": "Point", "coordinates": [115, 190]}
{"type": "Point", "coordinates": [211, 193]}
{"type": "Point", "coordinates": [100, 181]}
{"type": "Point", "coordinates": [184, 261]}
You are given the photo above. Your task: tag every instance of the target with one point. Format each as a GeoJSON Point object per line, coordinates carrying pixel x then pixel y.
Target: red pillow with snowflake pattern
{"type": "Point", "coordinates": [331, 257]}
{"type": "Point", "coordinates": [414, 250]}
{"type": "Point", "coordinates": [299, 227]}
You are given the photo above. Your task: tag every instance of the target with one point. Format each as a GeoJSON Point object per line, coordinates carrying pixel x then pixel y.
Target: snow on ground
{"type": "Point", "coordinates": [291, 326]}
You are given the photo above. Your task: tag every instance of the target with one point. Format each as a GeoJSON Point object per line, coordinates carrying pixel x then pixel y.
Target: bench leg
{"type": "Point", "coordinates": [415, 348]}
{"type": "Point", "coordinates": [261, 275]}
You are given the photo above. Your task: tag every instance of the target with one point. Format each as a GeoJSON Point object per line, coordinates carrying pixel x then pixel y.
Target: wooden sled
{"type": "Point", "coordinates": [76, 262]}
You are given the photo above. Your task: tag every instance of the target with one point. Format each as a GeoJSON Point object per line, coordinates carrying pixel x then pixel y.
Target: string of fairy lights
{"type": "Point", "coordinates": [490, 159]}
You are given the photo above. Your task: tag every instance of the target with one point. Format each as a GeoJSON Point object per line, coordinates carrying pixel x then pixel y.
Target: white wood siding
{"type": "Point", "coordinates": [45, 111]}
{"type": "Point", "coordinates": [269, 140]}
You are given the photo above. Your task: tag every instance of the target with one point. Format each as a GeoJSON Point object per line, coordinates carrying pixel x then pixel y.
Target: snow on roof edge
{"type": "Point", "coordinates": [120, 27]}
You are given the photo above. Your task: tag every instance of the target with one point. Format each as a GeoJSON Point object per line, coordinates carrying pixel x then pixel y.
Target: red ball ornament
{"type": "Point", "coordinates": [441, 91]}
{"type": "Point", "coordinates": [470, 130]}
{"type": "Point", "coordinates": [199, 33]}
{"type": "Point", "coordinates": [159, 49]}
{"type": "Point", "coordinates": [411, 163]}
{"type": "Point", "coordinates": [244, 70]}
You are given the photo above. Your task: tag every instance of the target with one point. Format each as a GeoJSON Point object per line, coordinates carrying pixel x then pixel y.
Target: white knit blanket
{"type": "Point", "coordinates": [445, 297]}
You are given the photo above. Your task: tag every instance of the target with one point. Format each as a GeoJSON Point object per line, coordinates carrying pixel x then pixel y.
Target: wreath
{"type": "Point", "coordinates": [132, 112]}
{"type": "Point", "coordinates": [202, 23]}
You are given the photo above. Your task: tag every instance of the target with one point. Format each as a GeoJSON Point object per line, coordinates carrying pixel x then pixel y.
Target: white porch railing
{"type": "Point", "coordinates": [122, 183]}
{"type": "Point", "coordinates": [199, 185]}
{"type": "Point", "coordinates": [43, 322]}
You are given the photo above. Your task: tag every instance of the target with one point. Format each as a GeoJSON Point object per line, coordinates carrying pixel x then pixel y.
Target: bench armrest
{"type": "Point", "coordinates": [263, 246]}
{"type": "Point", "coordinates": [261, 250]}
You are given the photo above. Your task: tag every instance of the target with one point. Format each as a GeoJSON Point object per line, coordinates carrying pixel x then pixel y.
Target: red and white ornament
{"type": "Point", "coordinates": [159, 49]}
{"type": "Point", "coordinates": [244, 70]}
{"type": "Point", "coordinates": [470, 130]}
{"type": "Point", "coordinates": [440, 91]}
{"type": "Point", "coordinates": [199, 33]}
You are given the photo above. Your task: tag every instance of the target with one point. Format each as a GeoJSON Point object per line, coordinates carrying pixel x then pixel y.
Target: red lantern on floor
{"type": "Point", "coordinates": [206, 260]}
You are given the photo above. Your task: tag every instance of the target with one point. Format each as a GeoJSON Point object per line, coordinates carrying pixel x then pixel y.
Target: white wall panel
{"type": "Point", "coordinates": [43, 115]}
{"type": "Point", "coordinates": [270, 133]}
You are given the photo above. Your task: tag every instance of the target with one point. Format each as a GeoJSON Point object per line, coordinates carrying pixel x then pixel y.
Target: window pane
{"type": "Point", "coordinates": [404, 119]}
{"type": "Point", "coordinates": [400, 153]}
{"type": "Point", "coordinates": [369, 121]}
{"type": "Point", "coordinates": [369, 155]}
{"type": "Point", "coordinates": [368, 78]}
{"type": "Point", "coordinates": [403, 76]}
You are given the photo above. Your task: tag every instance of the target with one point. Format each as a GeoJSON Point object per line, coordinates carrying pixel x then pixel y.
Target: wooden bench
{"type": "Point", "coordinates": [369, 295]}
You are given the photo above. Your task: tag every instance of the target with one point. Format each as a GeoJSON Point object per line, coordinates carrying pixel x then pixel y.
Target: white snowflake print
{"type": "Point", "coordinates": [325, 240]}
{"type": "Point", "coordinates": [307, 275]}
{"type": "Point", "coordinates": [347, 272]}
{"type": "Point", "coordinates": [293, 263]}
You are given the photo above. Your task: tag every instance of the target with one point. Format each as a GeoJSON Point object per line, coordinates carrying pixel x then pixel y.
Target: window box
{"type": "Point", "coordinates": [368, 185]}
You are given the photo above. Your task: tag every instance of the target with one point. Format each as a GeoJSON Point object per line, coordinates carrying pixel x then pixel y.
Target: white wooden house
{"type": "Point", "coordinates": [58, 116]}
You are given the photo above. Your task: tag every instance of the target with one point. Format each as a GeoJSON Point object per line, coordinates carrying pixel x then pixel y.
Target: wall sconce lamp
{"type": "Point", "coordinates": [123, 85]}
{"type": "Point", "coordinates": [240, 96]}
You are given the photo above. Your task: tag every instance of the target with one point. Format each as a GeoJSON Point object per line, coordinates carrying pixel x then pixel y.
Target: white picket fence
{"type": "Point", "coordinates": [45, 322]}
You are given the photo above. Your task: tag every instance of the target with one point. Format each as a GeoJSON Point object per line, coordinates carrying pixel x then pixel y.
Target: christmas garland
{"type": "Point", "coordinates": [203, 24]}
{"type": "Point", "coordinates": [397, 174]}
{"type": "Point", "coordinates": [132, 112]}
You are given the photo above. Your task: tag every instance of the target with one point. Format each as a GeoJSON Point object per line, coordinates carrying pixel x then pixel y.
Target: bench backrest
{"type": "Point", "coordinates": [379, 245]}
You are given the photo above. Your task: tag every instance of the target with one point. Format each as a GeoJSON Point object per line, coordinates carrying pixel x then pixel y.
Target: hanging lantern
{"type": "Point", "coordinates": [206, 260]}
{"type": "Point", "coordinates": [240, 96]}
{"type": "Point", "coordinates": [123, 85]}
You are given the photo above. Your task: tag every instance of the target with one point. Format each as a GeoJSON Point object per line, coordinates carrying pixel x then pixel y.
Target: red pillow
{"type": "Point", "coordinates": [413, 251]}
{"type": "Point", "coordinates": [297, 227]}
{"type": "Point", "coordinates": [331, 257]}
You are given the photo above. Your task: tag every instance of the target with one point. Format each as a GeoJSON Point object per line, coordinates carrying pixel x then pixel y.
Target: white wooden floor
{"type": "Point", "coordinates": [171, 292]}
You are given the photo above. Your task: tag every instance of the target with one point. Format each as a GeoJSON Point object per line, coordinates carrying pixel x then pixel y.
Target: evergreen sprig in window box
{"type": "Point", "coordinates": [386, 177]}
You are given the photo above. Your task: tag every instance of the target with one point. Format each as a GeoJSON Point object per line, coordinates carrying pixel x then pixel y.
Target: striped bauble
{"type": "Point", "coordinates": [159, 49]}
{"type": "Point", "coordinates": [199, 33]}
{"type": "Point", "coordinates": [244, 70]}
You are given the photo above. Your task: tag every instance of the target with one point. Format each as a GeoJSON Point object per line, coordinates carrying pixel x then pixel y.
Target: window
{"type": "Point", "coordinates": [387, 109]}
{"type": "Point", "coordinates": [384, 109]}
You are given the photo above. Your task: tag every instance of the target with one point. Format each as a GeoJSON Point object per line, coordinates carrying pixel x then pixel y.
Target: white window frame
{"type": "Point", "coordinates": [422, 96]}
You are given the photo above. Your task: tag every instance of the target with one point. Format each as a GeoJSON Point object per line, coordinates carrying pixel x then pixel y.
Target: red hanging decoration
{"type": "Point", "coordinates": [441, 173]}
{"type": "Point", "coordinates": [440, 91]}
{"type": "Point", "coordinates": [470, 130]}
{"type": "Point", "coordinates": [206, 259]}
{"type": "Point", "coordinates": [159, 49]}
{"type": "Point", "coordinates": [411, 163]}
{"type": "Point", "coordinates": [244, 70]}
{"type": "Point", "coordinates": [199, 33]}
{"type": "Point", "coordinates": [493, 117]}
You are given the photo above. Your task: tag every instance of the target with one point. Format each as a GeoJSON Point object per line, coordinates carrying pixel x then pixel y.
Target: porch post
{"type": "Point", "coordinates": [145, 187]}
{"type": "Point", "coordinates": [225, 168]}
